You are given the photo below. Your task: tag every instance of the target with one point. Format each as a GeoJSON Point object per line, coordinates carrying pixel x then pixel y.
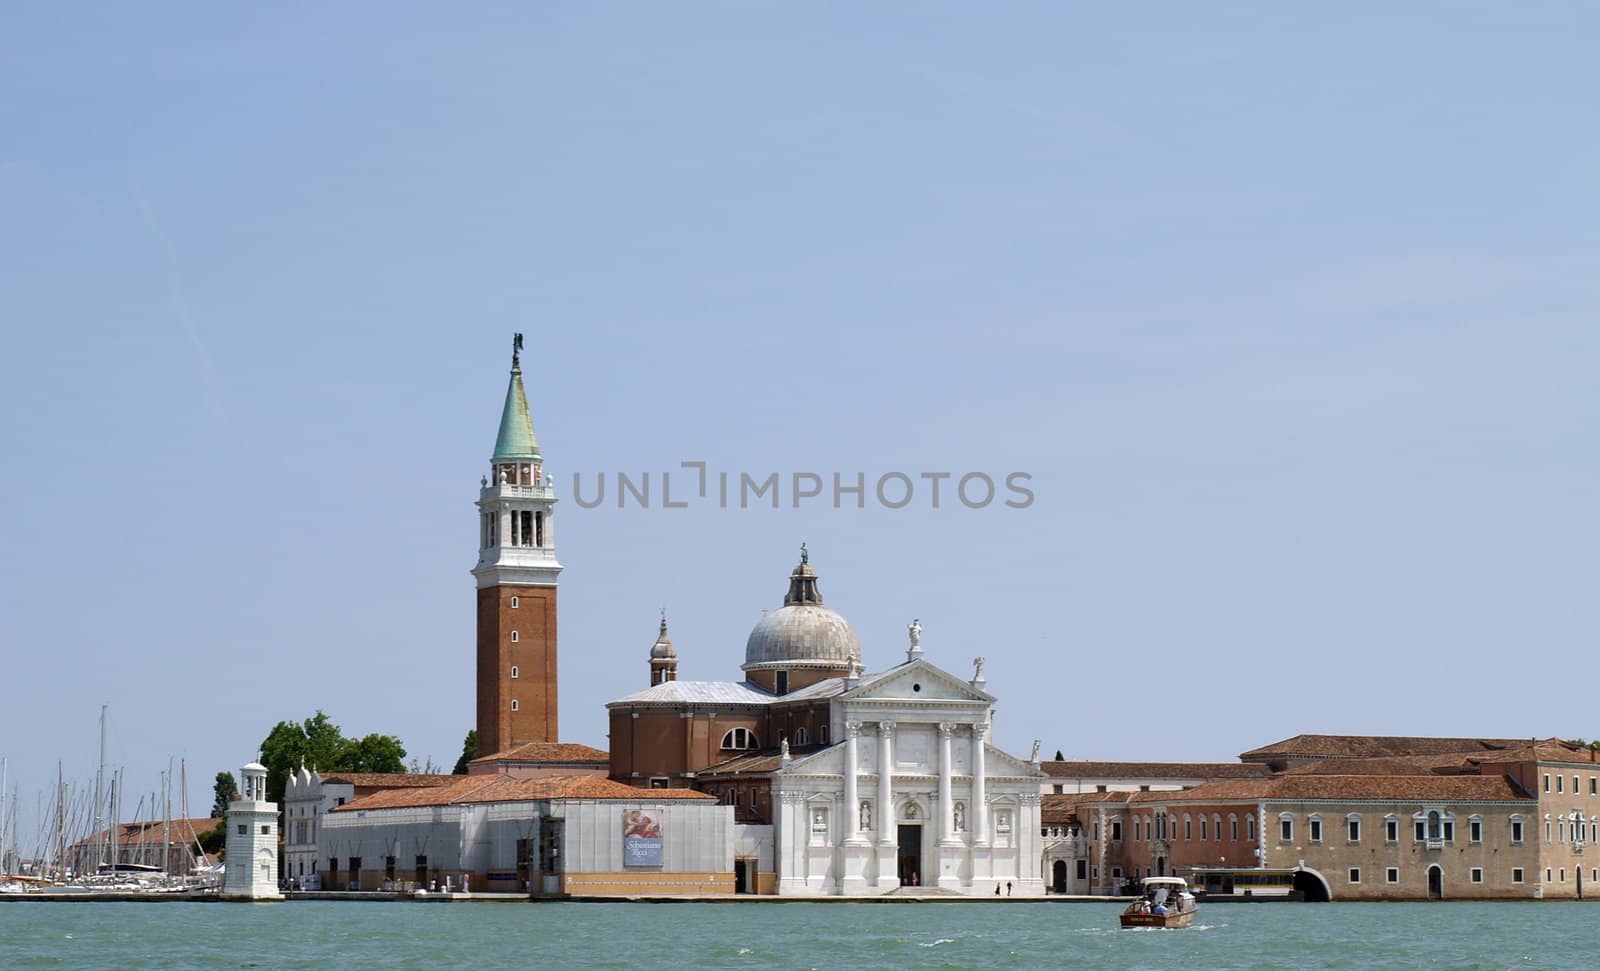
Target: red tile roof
{"type": "Point", "coordinates": [129, 834]}
{"type": "Point", "coordinates": [1375, 746]}
{"type": "Point", "coordinates": [502, 788]}
{"type": "Point", "coordinates": [390, 780]}
{"type": "Point", "coordinates": [1058, 810]}
{"type": "Point", "coordinates": [1454, 763]}
{"type": "Point", "coordinates": [550, 752]}
{"type": "Point", "coordinates": [1154, 770]}
{"type": "Point", "coordinates": [1350, 788]}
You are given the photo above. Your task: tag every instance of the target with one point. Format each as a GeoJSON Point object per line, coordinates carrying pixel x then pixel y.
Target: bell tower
{"type": "Point", "coordinates": [516, 573]}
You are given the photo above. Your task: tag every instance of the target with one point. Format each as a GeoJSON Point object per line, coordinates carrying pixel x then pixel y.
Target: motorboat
{"type": "Point", "coordinates": [1165, 902]}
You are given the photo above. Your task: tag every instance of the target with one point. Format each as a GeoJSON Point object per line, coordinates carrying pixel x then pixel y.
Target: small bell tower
{"type": "Point", "coordinates": [663, 657]}
{"type": "Point", "coordinates": [517, 573]}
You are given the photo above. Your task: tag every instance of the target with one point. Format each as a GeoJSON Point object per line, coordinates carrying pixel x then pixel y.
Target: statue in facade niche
{"type": "Point", "coordinates": [866, 815]}
{"type": "Point", "coordinates": [961, 817]}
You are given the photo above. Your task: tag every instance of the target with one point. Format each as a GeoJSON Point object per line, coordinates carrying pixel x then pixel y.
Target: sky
{"type": "Point", "coordinates": [1286, 312]}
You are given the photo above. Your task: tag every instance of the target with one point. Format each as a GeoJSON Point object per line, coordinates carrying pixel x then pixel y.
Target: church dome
{"type": "Point", "coordinates": [662, 649]}
{"type": "Point", "coordinates": [803, 633]}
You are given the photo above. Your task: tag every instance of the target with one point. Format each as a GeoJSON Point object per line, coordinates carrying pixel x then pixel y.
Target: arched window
{"type": "Point", "coordinates": [800, 736]}
{"type": "Point", "coordinates": [739, 740]}
{"type": "Point", "coordinates": [1250, 826]}
{"type": "Point", "coordinates": [513, 637]}
{"type": "Point", "coordinates": [513, 704]}
{"type": "Point", "coordinates": [1188, 827]}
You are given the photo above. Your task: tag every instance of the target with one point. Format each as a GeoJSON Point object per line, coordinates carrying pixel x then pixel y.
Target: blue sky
{"type": "Point", "coordinates": [1289, 311]}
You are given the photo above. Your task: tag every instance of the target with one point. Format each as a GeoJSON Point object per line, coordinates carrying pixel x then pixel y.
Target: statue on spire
{"type": "Point", "coordinates": [516, 350]}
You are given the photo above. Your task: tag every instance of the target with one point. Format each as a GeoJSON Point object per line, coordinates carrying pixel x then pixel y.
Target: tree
{"type": "Point", "coordinates": [469, 751]}
{"type": "Point", "coordinates": [317, 742]}
{"type": "Point", "coordinates": [224, 790]}
{"type": "Point", "coordinates": [215, 840]}
{"type": "Point", "coordinates": [375, 753]}
{"type": "Point", "coordinates": [1059, 756]}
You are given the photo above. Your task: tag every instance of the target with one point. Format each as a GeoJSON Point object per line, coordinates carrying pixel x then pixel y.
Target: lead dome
{"type": "Point", "coordinates": [803, 633]}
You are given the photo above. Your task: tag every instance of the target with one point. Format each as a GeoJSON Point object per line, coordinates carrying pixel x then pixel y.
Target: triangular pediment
{"type": "Point", "coordinates": [919, 681]}
{"type": "Point", "coordinates": [829, 761]}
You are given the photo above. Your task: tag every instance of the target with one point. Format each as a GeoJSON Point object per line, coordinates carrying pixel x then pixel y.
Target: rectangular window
{"type": "Point", "coordinates": [1516, 831]}
{"type": "Point", "coordinates": [1516, 874]}
{"type": "Point", "coordinates": [1563, 874]}
{"type": "Point", "coordinates": [1391, 830]}
{"type": "Point", "coordinates": [1354, 826]}
{"type": "Point", "coordinates": [1561, 783]}
{"type": "Point", "coordinates": [1286, 830]}
{"type": "Point", "coordinates": [1449, 831]}
{"type": "Point", "coordinates": [266, 829]}
{"type": "Point", "coordinates": [388, 868]}
{"type": "Point", "coordinates": [660, 782]}
{"type": "Point", "coordinates": [1116, 873]}
{"type": "Point", "coordinates": [1058, 788]}
{"type": "Point", "coordinates": [1422, 830]}
{"type": "Point", "coordinates": [1475, 830]}
{"type": "Point", "coordinates": [1477, 874]}
{"type": "Point", "coordinates": [1592, 786]}
{"type": "Point", "coordinates": [243, 829]}
{"type": "Point", "coordinates": [1316, 830]}
{"type": "Point", "coordinates": [1116, 829]}
{"type": "Point", "coordinates": [1391, 875]}
{"type": "Point", "coordinates": [1547, 782]}
{"type": "Point", "coordinates": [1355, 874]}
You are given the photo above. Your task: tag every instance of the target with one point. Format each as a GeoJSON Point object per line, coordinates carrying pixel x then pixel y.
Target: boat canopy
{"type": "Point", "coordinates": [1164, 882]}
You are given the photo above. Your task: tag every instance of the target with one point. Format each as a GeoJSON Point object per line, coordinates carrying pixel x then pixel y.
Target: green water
{"type": "Point", "coordinates": [982, 935]}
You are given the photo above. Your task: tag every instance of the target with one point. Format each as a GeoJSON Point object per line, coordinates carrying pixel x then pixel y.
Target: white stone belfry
{"type": "Point", "coordinates": [251, 868]}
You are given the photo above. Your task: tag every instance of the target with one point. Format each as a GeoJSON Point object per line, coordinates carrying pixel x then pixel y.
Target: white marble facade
{"type": "Point", "coordinates": [912, 796]}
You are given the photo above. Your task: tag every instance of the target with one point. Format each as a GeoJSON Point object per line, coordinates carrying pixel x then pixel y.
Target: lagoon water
{"type": "Point", "coordinates": [765, 935]}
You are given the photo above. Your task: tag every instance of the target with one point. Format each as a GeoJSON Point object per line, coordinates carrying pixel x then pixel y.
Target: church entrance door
{"type": "Point", "coordinates": [910, 856]}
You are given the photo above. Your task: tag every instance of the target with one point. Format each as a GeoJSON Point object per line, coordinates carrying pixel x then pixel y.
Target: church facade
{"type": "Point", "coordinates": [843, 783]}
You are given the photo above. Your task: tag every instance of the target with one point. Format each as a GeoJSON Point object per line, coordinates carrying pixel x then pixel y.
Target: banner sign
{"type": "Point", "coordinates": [641, 837]}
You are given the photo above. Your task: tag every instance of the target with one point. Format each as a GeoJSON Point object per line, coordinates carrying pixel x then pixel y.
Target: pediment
{"type": "Point", "coordinates": [917, 681]}
{"type": "Point", "coordinates": [829, 761]}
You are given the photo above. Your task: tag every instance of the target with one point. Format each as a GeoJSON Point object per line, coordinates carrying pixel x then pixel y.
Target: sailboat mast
{"type": "Point", "coordinates": [61, 819]}
{"type": "Point", "coordinates": [116, 814]}
{"type": "Point", "coordinates": [99, 795]}
{"type": "Point", "coordinates": [166, 822]}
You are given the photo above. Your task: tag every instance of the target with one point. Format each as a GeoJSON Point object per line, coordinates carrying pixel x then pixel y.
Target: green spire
{"type": "Point", "coordinates": [516, 439]}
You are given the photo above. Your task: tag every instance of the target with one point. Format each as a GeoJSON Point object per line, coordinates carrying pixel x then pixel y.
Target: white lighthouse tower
{"type": "Point", "coordinates": [251, 871]}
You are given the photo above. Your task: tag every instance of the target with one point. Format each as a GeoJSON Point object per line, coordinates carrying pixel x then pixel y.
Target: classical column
{"type": "Point", "coordinates": [947, 827]}
{"type": "Point", "coordinates": [885, 807]}
{"type": "Point", "coordinates": [979, 813]}
{"type": "Point", "coordinates": [852, 799]}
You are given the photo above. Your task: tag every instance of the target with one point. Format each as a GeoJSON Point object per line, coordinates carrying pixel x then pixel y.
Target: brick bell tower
{"type": "Point", "coordinates": [516, 573]}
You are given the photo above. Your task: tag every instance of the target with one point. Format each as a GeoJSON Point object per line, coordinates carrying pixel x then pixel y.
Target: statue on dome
{"type": "Point", "coordinates": [805, 555]}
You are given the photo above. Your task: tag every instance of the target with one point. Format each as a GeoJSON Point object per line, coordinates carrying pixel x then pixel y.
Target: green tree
{"type": "Point", "coordinates": [215, 840]}
{"type": "Point", "coordinates": [469, 751]}
{"type": "Point", "coordinates": [317, 742]}
{"type": "Point", "coordinates": [375, 753]}
{"type": "Point", "coordinates": [1059, 756]}
{"type": "Point", "coordinates": [224, 789]}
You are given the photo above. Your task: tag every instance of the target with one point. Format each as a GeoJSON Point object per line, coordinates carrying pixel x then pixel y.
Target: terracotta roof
{"type": "Point", "coordinates": [766, 760]}
{"type": "Point", "coordinates": [1058, 810]}
{"type": "Point", "coordinates": [566, 752]}
{"type": "Point", "coordinates": [1155, 770]}
{"type": "Point", "coordinates": [390, 780]}
{"type": "Point", "coordinates": [1374, 746]}
{"type": "Point", "coordinates": [1545, 750]}
{"type": "Point", "coordinates": [1350, 788]}
{"type": "Point", "coordinates": [1453, 763]}
{"type": "Point", "coordinates": [128, 834]}
{"type": "Point", "coordinates": [502, 788]}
